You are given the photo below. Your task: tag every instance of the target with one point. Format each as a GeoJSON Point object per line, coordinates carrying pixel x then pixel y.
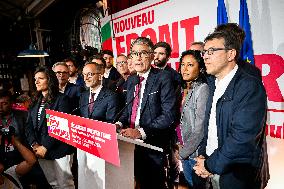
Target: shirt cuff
{"type": "Point", "coordinates": [143, 134]}
{"type": "Point", "coordinates": [119, 123]}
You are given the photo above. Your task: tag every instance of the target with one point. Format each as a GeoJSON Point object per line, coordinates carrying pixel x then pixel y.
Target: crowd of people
{"type": "Point", "coordinates": [210, 115]}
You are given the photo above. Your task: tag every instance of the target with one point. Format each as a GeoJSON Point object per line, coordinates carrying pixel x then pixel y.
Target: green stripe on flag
{"type": "Point", "coordinates": [106, 32]}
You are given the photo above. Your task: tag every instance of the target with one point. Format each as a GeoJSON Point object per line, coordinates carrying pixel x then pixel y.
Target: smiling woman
{"type": "Point", "coordinates": [49, 151]}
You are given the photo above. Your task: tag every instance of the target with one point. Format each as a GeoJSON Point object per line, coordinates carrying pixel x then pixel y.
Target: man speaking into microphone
{"type": "Point", "coordinates": [149, 116]}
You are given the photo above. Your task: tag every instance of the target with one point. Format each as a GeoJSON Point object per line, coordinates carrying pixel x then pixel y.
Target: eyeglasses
{"type": "Point", "coordinates": [122, 62]}
{"type": "Point", "coordinates": [211, 50]}
{"type": "Point", "coordinates": [142, 54]}
{"type": "Point", "coordinates": [63, 73]}
{"type": "Point", "coordinates": [90, 74]}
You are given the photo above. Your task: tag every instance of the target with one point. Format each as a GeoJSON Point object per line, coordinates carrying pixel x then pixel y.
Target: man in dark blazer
{"type": "Point", "coordinates": [98, 103]}
{"type": "Point", "coordinates": [105, 106]}
{"type": "Point", "coordinates": [106, 82]}
{"type": "Point", "coordinates": [162, 54]}
{"type": "Point", "coordinates": [110, 71]}
{"type": "Point", "coordinates": [154, 117]}
{"type": "Point", "coordinates": [74, 76]}
{"type": "Point", "coordinates": [235, 118]}
{"type": "Point", "coordinates": [69, 89]}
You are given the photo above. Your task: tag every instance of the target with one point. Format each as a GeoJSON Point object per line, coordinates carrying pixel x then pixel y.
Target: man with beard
{"type": "Point", "coordinates": [162, 53]}
{"type": "Point", "coordinates": [110, 71]}
{"type": "Point", "coordinates": [74, 76]}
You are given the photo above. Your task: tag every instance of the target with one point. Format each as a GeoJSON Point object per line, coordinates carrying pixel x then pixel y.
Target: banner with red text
{"type": "Point", "coordinates": [180, 22]}
{"type": "Point", "coordinates": [95, 137]}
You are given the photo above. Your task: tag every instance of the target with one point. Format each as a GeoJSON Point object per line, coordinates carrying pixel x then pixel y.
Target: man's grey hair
{"type": "Point", "coordinates": [59, 64]}
{"type": "Point", "coordinates": [143, 41]}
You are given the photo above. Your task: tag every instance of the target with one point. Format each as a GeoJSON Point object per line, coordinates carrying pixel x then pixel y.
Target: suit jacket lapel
{"type": "Point", "coordinates": [67, 89]}
{"type": "Point", "coordinates": [98, 100]}
{"type": "Point", "coordinates": [84, 104]}
{"type": "Point", "coordinates": [34, 113]}
{"type": "Point", "coordinates": [130, 93]}
{"type": "Point", "coordinates": [148, 87]}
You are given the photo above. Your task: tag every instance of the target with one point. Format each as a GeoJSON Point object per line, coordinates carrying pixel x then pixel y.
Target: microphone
{"type": "Point", "coordinates": [118, 115]}
{"type": "Point", "coordinates": [79, 107]}
{"type": "Point", "coordinates": [119, 84]}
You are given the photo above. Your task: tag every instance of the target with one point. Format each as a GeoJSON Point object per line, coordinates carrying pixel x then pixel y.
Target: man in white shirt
{"type": "Point", "coordinates": [150, 115]}
{"type": "Point", "coordinates": [235, 118]}
{"type": "Point", "coordinates": [98, 103]}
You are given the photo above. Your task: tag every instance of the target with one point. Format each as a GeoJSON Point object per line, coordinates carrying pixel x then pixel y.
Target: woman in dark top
{"type": "Point", "coordinates": [53, 155]}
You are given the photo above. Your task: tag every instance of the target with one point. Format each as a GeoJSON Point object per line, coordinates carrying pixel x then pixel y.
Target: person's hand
{"type": "Point", "coordinates": [199, 167]}
{"type": "Point", "coordinates": [35, 146]}
{"type": "Point", "coordinates": [131, 133]}
{"type": "Point", "coordinates": [40, 151]}
{"type": "Point", "coordinates": [118, 128]}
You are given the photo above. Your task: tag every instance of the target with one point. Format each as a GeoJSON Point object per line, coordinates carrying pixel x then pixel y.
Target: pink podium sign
{"type": "Point", "coordinates": [95, 137]}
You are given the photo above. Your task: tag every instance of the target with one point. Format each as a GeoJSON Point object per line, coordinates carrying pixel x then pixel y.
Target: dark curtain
{"type": "Point", "coordinates": [118, 5]}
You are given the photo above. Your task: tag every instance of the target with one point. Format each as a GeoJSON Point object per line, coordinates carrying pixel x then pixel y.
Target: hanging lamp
{"type": "Point", "coordinates": [32, 51]}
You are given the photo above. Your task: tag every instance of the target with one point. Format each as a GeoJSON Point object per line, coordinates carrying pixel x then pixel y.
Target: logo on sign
{"type": "Point", "coordinates": [58, 126]}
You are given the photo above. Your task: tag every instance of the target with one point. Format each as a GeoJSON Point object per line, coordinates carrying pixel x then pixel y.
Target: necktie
{"type": "Point", "coordinates": [135, 104]}
{"type": "Point", "coordinates": [91, 103]}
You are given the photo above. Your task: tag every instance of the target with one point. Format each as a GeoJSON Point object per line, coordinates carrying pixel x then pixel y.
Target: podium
{"type": "Point", "coordinates": [103, 175]}
{"type": "Point", "coordinates": [123, 176]}
{"type": "Point", "coordinates": [101, 170]}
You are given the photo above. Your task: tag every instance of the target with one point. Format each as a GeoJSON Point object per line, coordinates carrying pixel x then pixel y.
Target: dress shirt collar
{"type": "Point", "coordinates": [226, 80]}
{"type": "Point", "coordinates": [145, 75]}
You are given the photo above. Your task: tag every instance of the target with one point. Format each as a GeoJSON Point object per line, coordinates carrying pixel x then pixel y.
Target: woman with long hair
{"type": "Point", "coordinates": [194, 97]}
{"type": "Point", "coordinates": [53, 155]}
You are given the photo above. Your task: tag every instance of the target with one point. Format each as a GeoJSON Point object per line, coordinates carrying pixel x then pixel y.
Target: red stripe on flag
{"type": "Point", "coordinates": [107, 44]}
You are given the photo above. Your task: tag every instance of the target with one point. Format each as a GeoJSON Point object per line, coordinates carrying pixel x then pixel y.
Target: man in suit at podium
{"type": "Point", "coordinates": [149, 116]}
{"type": "Point", "coordinates": [98, 103]}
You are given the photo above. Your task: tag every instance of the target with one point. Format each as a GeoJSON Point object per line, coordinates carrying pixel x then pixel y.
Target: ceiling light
{"type": "Point", "coordinates": [32, 52]}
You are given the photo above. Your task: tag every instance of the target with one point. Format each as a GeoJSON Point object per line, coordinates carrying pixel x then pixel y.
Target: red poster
{"type": "Point", "coordinates": [95, 137]}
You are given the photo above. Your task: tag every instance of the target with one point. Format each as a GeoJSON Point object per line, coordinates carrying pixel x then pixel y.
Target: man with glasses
{"type": "Point", "coordinates": [240, 34]}
{"type": "Point", "coordinates": [121, 84]}
{"type": "Point", "coordinates": [150, 116]}
{"type": "Point", "coordinates": [69, 89]}
{"type": "Point", "coordinates": [235, 118]}
{"type": "Point", "coordinates": [98, 103]}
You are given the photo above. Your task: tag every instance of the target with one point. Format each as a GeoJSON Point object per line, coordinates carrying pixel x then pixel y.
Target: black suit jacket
{"type": "Point", "coordinates": [157, 108]}
{"type": "Point", "coordinates": [176, 77]}
{"type": "Point", "coordinates": [113, 74]}
{"type": "Point", "coordinates": [37, 131]}
{"type": "Point", "coordinates": [73, 92]}
{"type": "Point", "coordinates": [105, 106]}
